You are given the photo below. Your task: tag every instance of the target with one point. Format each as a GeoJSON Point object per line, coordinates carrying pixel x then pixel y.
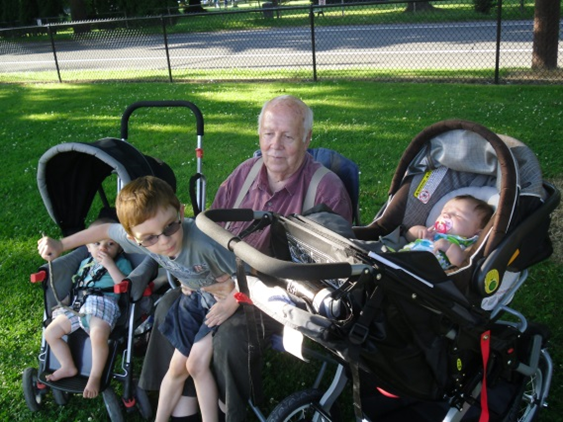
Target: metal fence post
{"type": "Point", "coordinates": [313, 49]}
{"type": "Point", "coordinates": [54, 52]}
{"type": "Point", "coordinates": [166, 48]}
{"type": "Point", "coordinates": [499, 32]}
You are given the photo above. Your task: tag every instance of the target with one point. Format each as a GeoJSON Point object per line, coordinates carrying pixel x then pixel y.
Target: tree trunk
{"type": "Point", "coordinates": [546, 34]}
{"type": "Point", "coordinates": [421, 6]}
{"type": "Point", "coordinates": [78, 12]}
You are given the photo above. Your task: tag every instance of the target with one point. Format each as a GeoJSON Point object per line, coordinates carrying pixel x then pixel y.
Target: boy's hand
{"type": "Point", "coordinates": [223, 288]}
{"type": "Point", "coordinates": [185, 289]}
{"type": "Point", "coordinates": [49, 248]}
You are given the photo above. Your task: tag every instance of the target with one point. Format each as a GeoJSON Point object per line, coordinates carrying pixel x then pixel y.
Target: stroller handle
{"type": "Point", "coordinates": [170, 103]}
{"type": "Point", "coordinates": [207, 222]}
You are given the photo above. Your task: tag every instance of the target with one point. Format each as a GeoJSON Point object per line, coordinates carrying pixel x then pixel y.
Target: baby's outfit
{"type": "Point", "coordinates": [103, 306]}
{"type": "Point", "coordinates": [428, 246]}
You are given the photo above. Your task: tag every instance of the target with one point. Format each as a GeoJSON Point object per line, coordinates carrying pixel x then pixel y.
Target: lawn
{"type": "Point", "coordinates": [370, 123]}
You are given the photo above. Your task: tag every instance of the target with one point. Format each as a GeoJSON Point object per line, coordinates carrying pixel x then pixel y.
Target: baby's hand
{"type": "Point", "coordinates": [441, 245]}
{"type": "Point", "coordinates": [49, 248]}
{"type": "Point", "coordinates": [105, 260]}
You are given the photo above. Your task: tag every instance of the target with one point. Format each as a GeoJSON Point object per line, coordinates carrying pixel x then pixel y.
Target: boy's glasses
{"type": "Point", "coordinates": [169, 230]}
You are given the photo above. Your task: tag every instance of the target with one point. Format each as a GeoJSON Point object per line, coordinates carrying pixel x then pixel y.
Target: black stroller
{"type": "Point", "coordinates": [400, 325]}
{"type": "Point", "coordinates": [69, 176]}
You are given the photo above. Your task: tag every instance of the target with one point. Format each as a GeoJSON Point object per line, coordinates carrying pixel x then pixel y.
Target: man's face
{"type": "Point", "coordinates": [165, 220]}
{"type": "Point", "coordinates": [281, 140]}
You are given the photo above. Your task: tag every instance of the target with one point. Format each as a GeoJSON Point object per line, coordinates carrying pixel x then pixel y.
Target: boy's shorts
{"type": "Point", "coordinates": [184, 324]}
{"type": "Point", "coordinates": [101, 307]}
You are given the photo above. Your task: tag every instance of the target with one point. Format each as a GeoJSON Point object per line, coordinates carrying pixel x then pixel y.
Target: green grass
{"type": "Point", "coordinates": [369, 122]}
{"type": "Point", "coordinates": [298, 74]}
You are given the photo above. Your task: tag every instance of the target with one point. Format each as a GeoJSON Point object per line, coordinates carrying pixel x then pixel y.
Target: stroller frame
{"type": "Point", "coordinates": [58, 179]}
{"type": "Point", "coordinates": [518, 353]}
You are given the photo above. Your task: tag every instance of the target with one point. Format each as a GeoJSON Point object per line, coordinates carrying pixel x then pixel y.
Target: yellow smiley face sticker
{"type": "Point", "coordinates": [492, 281]}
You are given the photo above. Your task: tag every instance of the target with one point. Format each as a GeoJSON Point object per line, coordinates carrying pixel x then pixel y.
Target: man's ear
{"type": "Point", "coordinates": [308, 139]}
{"type": "Point", "coordinates": [182, 211]}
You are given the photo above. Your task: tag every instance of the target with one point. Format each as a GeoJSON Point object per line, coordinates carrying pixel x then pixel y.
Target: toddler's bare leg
{"type": "Point", "coordinates": [54, 333]}
{"type": "Point", "coordinates": [99, 335]}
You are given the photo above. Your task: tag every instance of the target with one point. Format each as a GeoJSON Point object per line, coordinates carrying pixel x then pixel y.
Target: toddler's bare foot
{"type": "Point", "coordinates": [92, 388]}
{"type": "Point", "coordinates": [62, 373]}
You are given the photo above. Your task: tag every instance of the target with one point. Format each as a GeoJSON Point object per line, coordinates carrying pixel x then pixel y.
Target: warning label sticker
{"type": "Point", "coordinates": [429, 184]}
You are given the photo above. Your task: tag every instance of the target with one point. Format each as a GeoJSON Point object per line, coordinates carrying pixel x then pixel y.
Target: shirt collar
{"type": "Point", "coordinates": [292, 184]}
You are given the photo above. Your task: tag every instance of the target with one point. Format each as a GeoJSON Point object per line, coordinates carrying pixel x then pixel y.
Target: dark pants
{"type": "Point", "coordinates": [231, 361]}
{"type": "Point", "coordinates": [159, 350]}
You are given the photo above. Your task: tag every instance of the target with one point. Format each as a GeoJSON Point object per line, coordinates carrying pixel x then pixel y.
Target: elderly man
{"type": "Point", "coordinates": [285, 129]}
{"type": "Point", "coordinates": [278, 181]}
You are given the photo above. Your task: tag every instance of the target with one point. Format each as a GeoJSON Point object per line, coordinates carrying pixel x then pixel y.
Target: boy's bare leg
{"type": "Point", "coordinates": [199, 367]}
{"type": "Point", "coordinates": [54, 336]}
{"type": "Point", "coordinates": [171, 386]}
{"type": "Point", "coordinates": [99, 335]}
{"type": "Point", "coordinates": [186, 406]}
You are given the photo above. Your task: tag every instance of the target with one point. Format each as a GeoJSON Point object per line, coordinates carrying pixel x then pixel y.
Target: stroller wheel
{"type": "Point", "coordinates": [60, 397]}
{"type": "Point", "coordinates": [303, 406]}
{"type": "Point", "coordinates": [527, 402]}
{"type": "Point", "coordinates": [112, 405]}
{"type": "Point", "coordinates": [31, 391]}
{"type": "Point", "coordinates": [143, 403]}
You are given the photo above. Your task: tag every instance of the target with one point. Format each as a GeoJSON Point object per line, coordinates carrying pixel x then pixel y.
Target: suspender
{"type": "Point", "coordinates": [309, 200]}
{"type": "Point", "coordinates": [249, 179]}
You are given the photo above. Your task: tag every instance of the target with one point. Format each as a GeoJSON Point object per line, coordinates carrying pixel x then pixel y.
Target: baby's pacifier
{"type": "Point", "coordinates": [443, 225]}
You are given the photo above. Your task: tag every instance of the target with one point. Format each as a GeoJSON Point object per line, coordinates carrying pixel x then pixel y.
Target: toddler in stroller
{"type": "Point", "coordinates": [412, 328]}
{"type": "Point", "coordinates": [95, 309]}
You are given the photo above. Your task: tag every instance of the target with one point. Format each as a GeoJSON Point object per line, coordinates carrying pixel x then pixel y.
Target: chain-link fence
{"type": "Point", "coordinates": [392, 41]}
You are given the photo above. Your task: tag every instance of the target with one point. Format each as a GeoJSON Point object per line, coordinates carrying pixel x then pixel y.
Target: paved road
{"type": "Point", "coordinates": [415, 46]}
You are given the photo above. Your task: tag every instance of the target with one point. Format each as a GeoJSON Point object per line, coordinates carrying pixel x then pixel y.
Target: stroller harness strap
{"type": "Point", "coordinates": [485, 351]}
{"type": "Point", "coordinates": [81, 289]}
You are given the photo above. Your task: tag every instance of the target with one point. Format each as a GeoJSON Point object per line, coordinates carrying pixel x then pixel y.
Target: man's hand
{"type": "Point", "coordinates": [49, 248]}
{"type": "Point", "coordinates": [222, 289]}
{"type": "Point", "coordinates": [221, 311]}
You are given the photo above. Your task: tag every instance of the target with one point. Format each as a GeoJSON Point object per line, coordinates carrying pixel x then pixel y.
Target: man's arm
{"type": "Point", "coordinates": [50, 248]}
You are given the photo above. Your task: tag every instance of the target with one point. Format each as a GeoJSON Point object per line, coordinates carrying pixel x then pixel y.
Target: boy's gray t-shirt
{"type": "Point", "coordinates": [200, 262]}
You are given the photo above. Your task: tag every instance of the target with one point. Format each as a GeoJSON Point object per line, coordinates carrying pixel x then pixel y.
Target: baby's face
{"type": "Point", "coordinates": [462, 217]}
{"type": "Point", "coordinates": [106, 246]}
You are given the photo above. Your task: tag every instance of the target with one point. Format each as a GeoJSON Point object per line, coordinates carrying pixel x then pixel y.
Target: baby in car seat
{"type": "Point", "coordinates": [457, 227]}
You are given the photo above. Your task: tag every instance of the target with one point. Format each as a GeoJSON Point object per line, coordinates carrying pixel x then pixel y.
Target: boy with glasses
{"type": "Point", "coordinates": [152, 222]}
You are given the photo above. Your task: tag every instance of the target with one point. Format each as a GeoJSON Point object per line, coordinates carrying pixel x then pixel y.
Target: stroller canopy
{"type": "Point", "coordinates": [70, 174]}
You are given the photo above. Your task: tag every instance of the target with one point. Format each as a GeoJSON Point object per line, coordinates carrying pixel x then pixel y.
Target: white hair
{"type": "Point", "coordinates": [305, 110]}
